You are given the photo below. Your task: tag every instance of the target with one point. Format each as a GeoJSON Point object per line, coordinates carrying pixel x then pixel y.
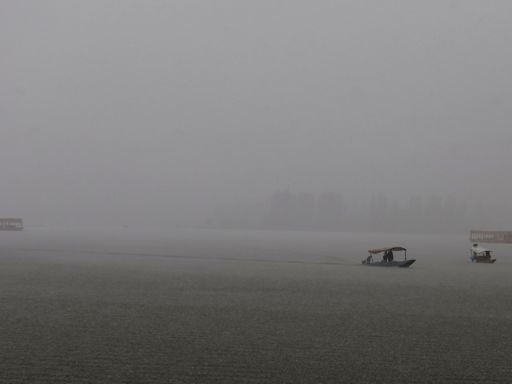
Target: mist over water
{"type": "Point", "coordinates": [199, 182]}
{"type": "Point", "coordinates": [176, 113]}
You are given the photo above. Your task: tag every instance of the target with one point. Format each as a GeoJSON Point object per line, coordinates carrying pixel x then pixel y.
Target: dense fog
{"type": "Point", "coordinates": [346, 115]}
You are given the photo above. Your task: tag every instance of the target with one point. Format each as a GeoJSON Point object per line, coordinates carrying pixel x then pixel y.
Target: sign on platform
{"type": "Point", "coordinates": [491, 237]}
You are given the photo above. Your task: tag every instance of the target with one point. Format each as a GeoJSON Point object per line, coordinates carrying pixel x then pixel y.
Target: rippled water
{"type": "Point", "coordinates": [191, 306]}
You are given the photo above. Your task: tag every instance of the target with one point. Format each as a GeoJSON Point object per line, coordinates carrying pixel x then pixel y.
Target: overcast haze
{"type": "Point", "coordinates": [161, 111]}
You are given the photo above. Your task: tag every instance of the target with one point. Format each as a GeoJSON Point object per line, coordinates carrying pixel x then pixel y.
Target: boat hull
{"type": "Point", "coordinates": [399, 264]}
{"type": "Point", "coordinates": [477, 259]}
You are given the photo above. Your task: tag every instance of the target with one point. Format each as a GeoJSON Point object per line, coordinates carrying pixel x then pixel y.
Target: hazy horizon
{"type": "Point", "coordinates": [116, 112]}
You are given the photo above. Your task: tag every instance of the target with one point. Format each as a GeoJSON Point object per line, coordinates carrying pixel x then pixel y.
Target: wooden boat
{"type": "Point", "coordinates": [481, 255]}
{"type": "Point", "coordinates": [388, 258]}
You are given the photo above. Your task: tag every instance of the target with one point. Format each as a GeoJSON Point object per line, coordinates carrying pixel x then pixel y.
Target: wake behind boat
{"type": "Point", "coordinates": [388, 258]}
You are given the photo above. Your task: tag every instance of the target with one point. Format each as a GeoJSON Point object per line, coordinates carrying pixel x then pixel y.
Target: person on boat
{"type": "Point", "coordinates": [390, 256]}
{"type": "Point", "coordinates": [385, 256]}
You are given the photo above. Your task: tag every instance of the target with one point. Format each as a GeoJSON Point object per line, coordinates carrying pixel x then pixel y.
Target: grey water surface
{"type": "Point", "coordinates": [206, 306]}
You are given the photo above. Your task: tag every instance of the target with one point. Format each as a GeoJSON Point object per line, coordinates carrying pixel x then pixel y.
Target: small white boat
{"type": "Point", "coordinates": [481, 255]}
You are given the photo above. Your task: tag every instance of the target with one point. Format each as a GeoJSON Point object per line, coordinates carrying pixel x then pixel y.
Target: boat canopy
{"type": "Point", "coordinates": [479, 249]}
{"type": "Point", "coordinates": [380, 250]}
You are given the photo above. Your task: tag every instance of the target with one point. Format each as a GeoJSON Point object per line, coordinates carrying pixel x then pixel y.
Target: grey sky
{"type": "Point", "coordinates": [125, 110]}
